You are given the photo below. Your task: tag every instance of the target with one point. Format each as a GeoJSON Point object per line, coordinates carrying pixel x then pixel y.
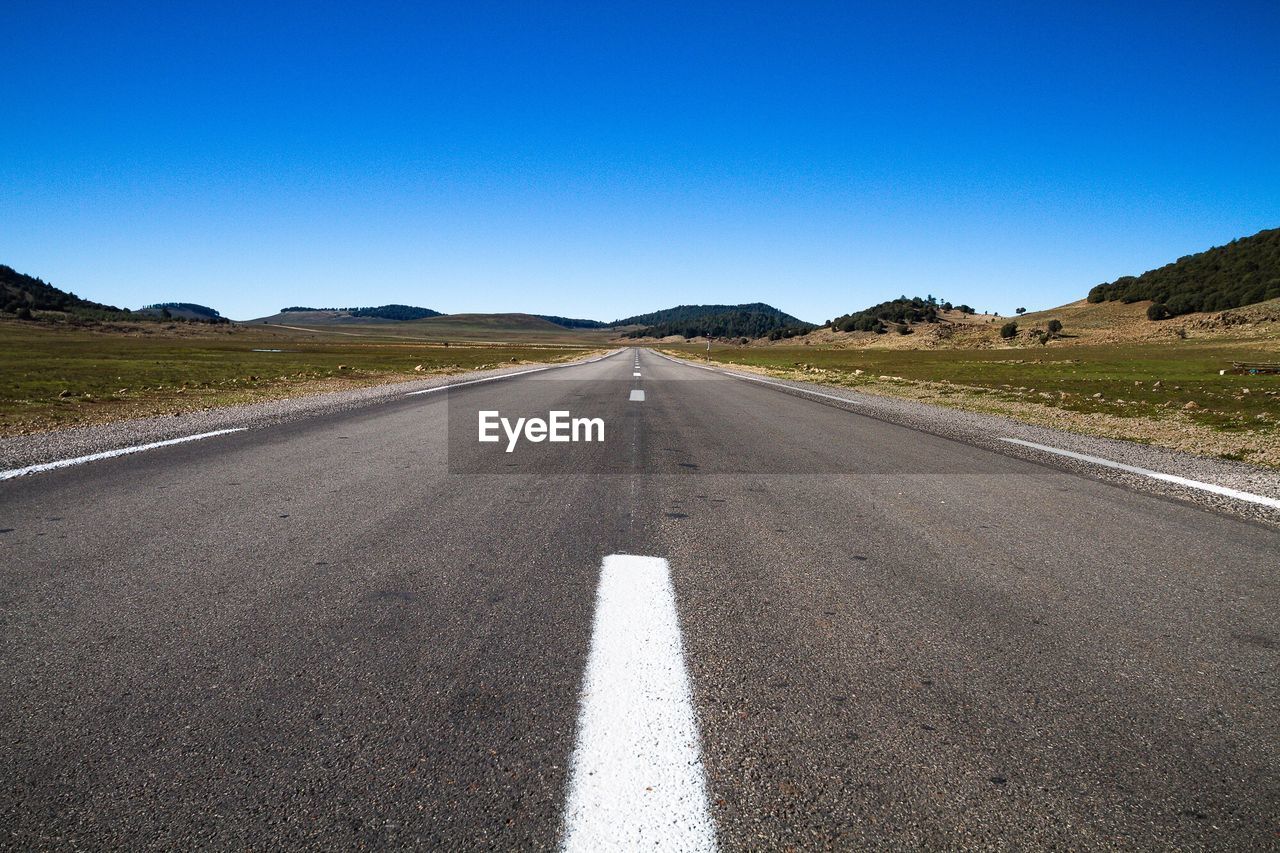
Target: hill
{"type": "Point", "coordinates": [1242, 272]}
{"type": "Point", "coordinates": [323, 316]}
{"type": "Point", "coordinates": [182, 310]}
{"type": "Point", "coordinates": [752, 320]}
{"type": "Point", "coordinates": [684, 313]}
{"type": "Point", "coordinates": [898, 311]}
{"type": "Point", "coordinates": [572, 323]}
{"type": "Point", "coordinates": [21, 293]}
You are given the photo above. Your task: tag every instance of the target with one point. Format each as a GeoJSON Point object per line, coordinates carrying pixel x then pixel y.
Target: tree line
{"type": "Point", "coordinates": [728, 324]}
{"type": "Point", "coordinates": [896, 312]}
{"type": "Point", "coordinates": [381, 312]}
{"type": "Point", "coordinates": [1242, 272]}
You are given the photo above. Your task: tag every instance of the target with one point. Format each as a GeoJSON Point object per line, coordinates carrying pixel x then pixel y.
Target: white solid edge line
{"type": "Point", "coordinates": [733, 375]}
{"type": "Point", "coordinates": [108, 454]}
{"type": "Point", "coordinates": [1225, 491]}
{"type": "Point", "coordinates": [636, 777]}
{"type": "Point", "coordinates": [637, 396]}
{"type": "Point", "coordinates": [506, 375]}
{"type": "Point", "coordinates": [477, 381]}
{"type": "Point", "coordinates": [1155, 475]}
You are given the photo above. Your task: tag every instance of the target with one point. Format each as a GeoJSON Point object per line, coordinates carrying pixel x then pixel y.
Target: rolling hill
{"type": "Point", "coordinates": [572, 322]}
{"type": "Point", "coordinates": [182, 310]}
{"type": "Point", "coordinates": [750, 320]}
{"type": "Point", "coordinates": [19, 291]}
{"type": "Point", "coordinates": [299, 315]}
{"type": "Point", "coordinates": [683, 313]}
{"type": "Point", "coordinates": [1242, 272]}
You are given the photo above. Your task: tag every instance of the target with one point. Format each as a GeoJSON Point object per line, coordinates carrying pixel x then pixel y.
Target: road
{"type": "Point", "coordinates": [370, 629]}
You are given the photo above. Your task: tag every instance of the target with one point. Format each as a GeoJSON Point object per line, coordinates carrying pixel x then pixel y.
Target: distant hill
{"type": "Point", "coordinates": [403, 313]}
{"type": "Point", "coordinates": [19, 291]}
{"type": "Point", "coordinates": [572, 323]}
{"type": "Point", "coordinates": [1242, 272]}
{"type": "Point", "coordinates": [903, 310]}
{"type": "Point", "coordinates": [183, 310]}
{"type": "Point", "coordinates": [684, 313]}
{"type": "Point", "coordinates": [751, 320]}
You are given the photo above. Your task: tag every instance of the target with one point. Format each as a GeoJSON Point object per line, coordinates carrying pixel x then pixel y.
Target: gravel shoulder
{"type": "Point", "coordinates": [22, 450]}
{"type": "Point", "coordinates": [987, 430]}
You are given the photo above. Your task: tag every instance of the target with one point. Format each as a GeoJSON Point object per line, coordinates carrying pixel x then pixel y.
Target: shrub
{"type": "Point", "coordinates": [1008, 330]}
{"type": "Point", "coordinates": [24, 313]}
{"type": "Point", "coordinates": [1157, 311]}
{"type": "Point", "coordinates": [903, 329]}
{"type": "Point", "coordinates": [1055, 326]}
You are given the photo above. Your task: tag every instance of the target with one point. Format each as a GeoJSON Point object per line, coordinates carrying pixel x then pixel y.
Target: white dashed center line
{"type": "Point", "coordinates": [636, 778]}
{"type": "Point", "coordinates": [637, 396]}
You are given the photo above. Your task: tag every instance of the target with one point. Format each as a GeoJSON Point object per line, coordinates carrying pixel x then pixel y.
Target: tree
{"type": "Point", "coordinates": [1009, 330]}
{"type": "Point", "coordinates": [1157, 311]}
{"type": "Point", "coordinates": [1055, 326]}
{"type": "Point", "coordinates": [1020, 311]}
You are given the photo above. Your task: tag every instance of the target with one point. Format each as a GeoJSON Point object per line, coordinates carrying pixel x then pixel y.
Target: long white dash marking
{"type": "Point", "coordinates": [637, 396]}
{"type": "Point", "coordinates": [1155, 475]}
{"type": "Point", "coordinates": [636, 778]}
{"type": "Point", "coordinates": [636, 373]}
{"type": "Point", "coordinates": [108, 454]}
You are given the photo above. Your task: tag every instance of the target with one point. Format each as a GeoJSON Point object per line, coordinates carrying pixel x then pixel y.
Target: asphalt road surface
{"type": "Point", "coordinates": [372, 630]}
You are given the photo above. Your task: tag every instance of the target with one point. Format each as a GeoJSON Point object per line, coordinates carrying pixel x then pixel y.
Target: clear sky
{"type": "Point", "coordinates": [599, 159]}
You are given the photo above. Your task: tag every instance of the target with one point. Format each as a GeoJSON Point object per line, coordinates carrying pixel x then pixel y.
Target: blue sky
{"type": "Point", "coordinates": [599, 160]}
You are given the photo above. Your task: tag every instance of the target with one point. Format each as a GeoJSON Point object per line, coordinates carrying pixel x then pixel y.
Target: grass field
{"type": "Point", "coordinates": [54, 375]}
{"type": "Point", "coordinates": [478, 328]}
{"type": "Point", "coordinates": [1167, 393]}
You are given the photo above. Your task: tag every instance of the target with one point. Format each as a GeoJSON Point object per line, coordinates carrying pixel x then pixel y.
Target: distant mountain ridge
{"type": "Point", "coordinates": [1242, 272]}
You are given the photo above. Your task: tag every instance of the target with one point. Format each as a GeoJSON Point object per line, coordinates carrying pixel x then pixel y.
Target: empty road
{"type": "Point", "coordinates": [742, 620]}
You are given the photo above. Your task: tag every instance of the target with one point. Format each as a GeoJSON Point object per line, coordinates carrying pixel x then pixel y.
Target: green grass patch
{"type": "Point", "coordinates": [1123, 380]}
{"type": "Point", "coordinates": [53, 375]}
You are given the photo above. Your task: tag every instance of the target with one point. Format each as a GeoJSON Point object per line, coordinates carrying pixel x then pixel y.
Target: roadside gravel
{"type": "Point", "coordinates": [23, 450]}
{"type": "Point", "coordinates": [987, 430]}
